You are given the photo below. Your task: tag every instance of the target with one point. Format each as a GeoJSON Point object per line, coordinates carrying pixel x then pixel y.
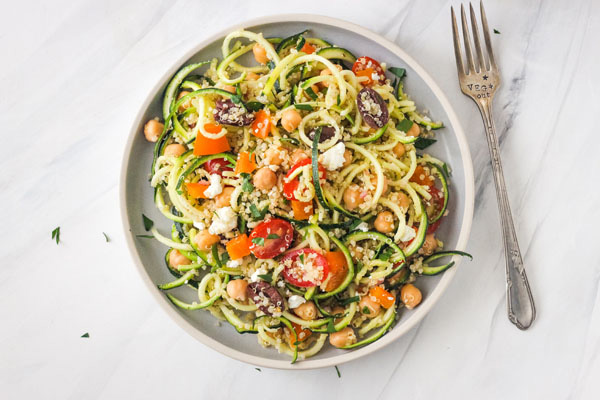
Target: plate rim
{"type": "Point", "coordinates": [433, 297]}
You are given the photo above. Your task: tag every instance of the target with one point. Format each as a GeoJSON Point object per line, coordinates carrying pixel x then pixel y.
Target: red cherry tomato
{"type": "Point", "coordinates": [366, 63]}
{"type": "Point", "coordinates": [304, 267]}
{"type": "Point", "coordinates": [291, 186]}
{"type": "Point", "coordinates": [276, 234]}
{"type": "Point", "coordinates": [437, 199]}
{"type": "Point", "coordinates": [217, 166]}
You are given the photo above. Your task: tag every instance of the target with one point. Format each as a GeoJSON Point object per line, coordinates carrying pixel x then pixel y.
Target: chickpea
{"type": "Point", "coordinates": [204, 239]}
{"type": "Point", "coordinates": [430, 244]}
{"type": "Point", "coordinates": [260, 54]}
{"type": "Point", "coordinates": [224, 199]}
{"type": "Point", "coordinates": [290, 119]}
{"type": "Point", "coordinates": [185, 105]}
{"type": "Point", "coordinates": [384, 222]}
{"type": "Point", "coordinates": [369, 307]}
{"type": "Point", "coordinates": [399, 150]}
{"type": "Point", "coordinates": [264, 179]}
{"type": "Point", "coordinates": [411, 296]}
{"type": "Point", "coordinates": [403, 201]}
{"type": "Point", "coordinates": [153, 130]}
{"type": "Point", "coordinates": [274, 155]}
{"type": "Point", "coordinates": [352, 197]}
{"type": "Point", "coordinates": [251, 76]}
{"type": "Point", "coordinates": [327, 71]}
{"type": "Point", "coordinates": [347, 158]}
{"type": "Point", "coordinates": [338, 311]}
{"type": "Point", "coordinates": [174, 150]}
{"type": "Point", "coordinates": [176, 259]}
{"type": "Point", "coordinates": [236, 289]}
{"type": "Point", "coordinates": [306, 311]}
{"type": "Point", "coordinates": [385, 183]}
{"type": "Point", "coordinates": [343, 338]}
{"type": "Point", "coordinates": [298, 155]}
{"type": "Point", "coordinates": [414, 130]}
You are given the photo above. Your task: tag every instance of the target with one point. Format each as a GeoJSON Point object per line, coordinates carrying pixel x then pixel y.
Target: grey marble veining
{"type": "Point", "coordinates": [72, 77]}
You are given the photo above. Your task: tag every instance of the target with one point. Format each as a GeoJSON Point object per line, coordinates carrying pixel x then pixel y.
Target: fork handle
{"type": "Point", "coordinates": [519, 301]}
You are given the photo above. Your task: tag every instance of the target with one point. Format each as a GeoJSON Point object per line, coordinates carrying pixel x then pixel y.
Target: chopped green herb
{"type": "Point", "coordinates": [404, 125]}
{"type": "Point", "coordinates": [145, 236]}
{"type": "Point", "coordinates": [301, 257]}
{"type": "Point", "coordinates": [236, 99]}
{"type": "Point", "coordinates": [242, 224]}
{"type": "Point", "coordinates": [266, 277]}
{"type": "Point", "coordinates": [338, 371]}
{"type": "Point", "coordinates": [247, 185]}
{"type": "Point", "coordinates": [386, 254]}
{"type": "Point", "coordinates": [254, 105]}
{"type": "Point", "coordinates": [366, 310]}
{"type": "Point", "coordinates": [256, 214]}
{"type": "Point", "coordinates": [311, 93]}
{"type": "Point", "coordinates": [258, 369]}
{"type": "Point", "coordinates": [423, 143]}
{"type": "Point", "coordinates": [148, 223]}
{"type": "Point", "coordinates": [224, 258]}
{"type": "Point", "coordinates": [305, 107]}
{"type": "Point", "coordinates": [354, 224]}
{"type": "Point", "coordinates": [330, 326]}
{"type": "Point", "coordinates": [271, 64]}
{"type": "Point", "coordinates": [496, 31]}
{"type": "Point", "coordinates": [56, 234]}
{"type": "Point", "coordinates": [259, 241]}
{"type": "Point", "coordinates": [85, 335]}
{"type": "Point", "coordinates": [106, 237]}
{"type": "Point", "coordinates": [273, 236]}
{"type": "Point", "coordinates": [349, 300]}
{"type": "Point", "coordinates": [399, 72]}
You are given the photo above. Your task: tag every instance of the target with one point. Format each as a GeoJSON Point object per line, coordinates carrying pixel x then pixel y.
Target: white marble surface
{"type": "Point", "coordinates": [72, 77]}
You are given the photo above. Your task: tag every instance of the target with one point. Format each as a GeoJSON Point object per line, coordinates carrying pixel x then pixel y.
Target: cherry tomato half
{"type": "Point", "coordinates": [437, 200]}
{"type": "Point", "coordinates": [305, 267]}
{"type": "Point", "coordinates": [217, 166]}
{"type": "Point", "coordinates": [276, 234]}
{"type": "Point", "coordinates": [291, 186]}
{"type": "Point", "coordinates": [365, 64]}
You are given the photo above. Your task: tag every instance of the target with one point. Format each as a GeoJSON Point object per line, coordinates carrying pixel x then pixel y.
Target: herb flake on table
{"type": "Point", "coordinates": [258, 369]}
{"type": "Point", "coordinates": [496, 31]}
{"type": "Point", "coordinates": [338, 371]}
{"type": "Point", "coordinates": [56, 234]}
{"type": "Point", "coordinates": [106, 237]}
{"type": "Point", "coordinates": [148, 223]}
{"type": "Point", "coordinates": [85, 335]}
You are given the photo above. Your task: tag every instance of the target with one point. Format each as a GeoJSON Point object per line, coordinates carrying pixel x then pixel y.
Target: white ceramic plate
{"type": "Point", "coordinates": [136, 195]}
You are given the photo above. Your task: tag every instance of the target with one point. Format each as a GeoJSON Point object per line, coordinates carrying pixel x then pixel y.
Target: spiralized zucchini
{"type": "Point", "coordinates": [302, 155]}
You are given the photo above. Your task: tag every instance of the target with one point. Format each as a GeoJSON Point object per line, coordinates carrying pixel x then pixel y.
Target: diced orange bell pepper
{"type": "Point", "coordinates": [246, 163]}
{"type": "Point", "coordinates": [204, 146]}
{"type": "Point", "coordinates": [421, 177]}
{"type": "Point", "coordinates": [308, 48]}
{"type": "Point", "coordinates": [261, 125]}
{"type": "Point", "coordinates": [338, 269]}
{"type": "Point", "coordinates": [301, 333]}
{"type": "Point", "coordinates": [196, 189]}
{"type": "Point", "coordinates": [302, 209]}
{"type": "Point", "coordinates": [368, 72]}
{"type": "Point", "coordinates": [238, 247]}
{"type": "Point", "coordinates": [385, 298]}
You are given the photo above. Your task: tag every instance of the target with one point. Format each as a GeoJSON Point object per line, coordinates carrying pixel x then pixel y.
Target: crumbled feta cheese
{"type": "Point", "coordinates": [409, 234]}
{"type": "Point", "coordinates": [333, 158]}
{"type": "Point", "coordinates": [363, 227]}
{"type": "Point", "coordinates": [295, 301]}
{"type": "Point", "coordinates": [254, 277]}
{"type": "Point", "coordinates": [199, 225]}
{"type": "Point", "coordinates": [225, 220]}
{"type": "Point", "coordinates": [234, 263]}
{"type": "Point", "coordinates": [215, 188]}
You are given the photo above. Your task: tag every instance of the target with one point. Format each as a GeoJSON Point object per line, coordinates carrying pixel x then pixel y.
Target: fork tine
{"type": "Point", "coordinates": [482, 64]}
{"type": "Point", "coordinates": [456, 40]}
{"type": "Point", "coordinates": [486, 35]}
{"type": "Point", "coordinates": [467, 40]}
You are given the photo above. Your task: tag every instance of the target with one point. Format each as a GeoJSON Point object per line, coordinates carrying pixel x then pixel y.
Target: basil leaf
{"type": "Point", "coordinates": [273, 236]}
{"type": "Point", "coordinates": [330, 326]}
{"type": "Point", "coordinates": [423, 143]}
{"type": "Point", "coordinates": [148, 223]}
{"type": "Point", "coordinates": [399, 72]}
{"type": "Point", "coordinates": [85, 335]}
{"type": "Point", "coordinates": [259, 241]}
{"type": "Point", "coordinates": [366, 310]}
{"type": "Point", "coordinates": [496, 31]}
{"type": "Point", "coordinates": [247, 186]}
{"type": "Point", "coordinates": [266, 277]}
{"type": "Point", "coordinates": [56, 234]}
{"type": "Point", "coordinates": [404, 125]}
{"type": "Point", "coordinates": [256, 214]}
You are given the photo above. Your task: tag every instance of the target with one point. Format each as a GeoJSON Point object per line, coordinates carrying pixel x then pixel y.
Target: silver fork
{"type": "Point", "coordinates": [479, 80]}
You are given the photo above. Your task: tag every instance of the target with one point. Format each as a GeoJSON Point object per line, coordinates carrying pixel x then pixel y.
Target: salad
{"type": "Point", "coordinates": [304, 209]}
